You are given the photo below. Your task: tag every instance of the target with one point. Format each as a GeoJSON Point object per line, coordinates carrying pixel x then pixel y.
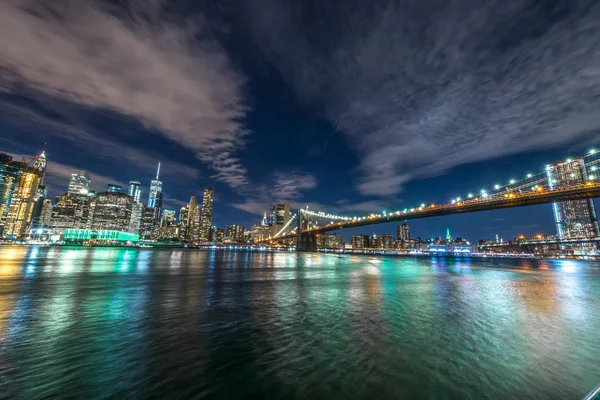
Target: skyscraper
{"type": "Point", "coordinates": [79, 183]}
{"type": "Point", "coordinates": [206, 218]}
{"type": "Point", "coordinates": [137, 214]}
{"type": "Point", "coordinates": [135, 191]}
{"type": "Point", "coordinates": [25, 196]}
{"type": "Point", "coordinates": [72, 211]}
{"type": "Point", "coordinates": [112, 211]}
{"type": "Point", "coordinates": [193, 221]}
{"type": "Point", "coordinates": [114, 188]}
{"type": "Point", "coordinates": [281, 216]}
{"type": "Point", "coordinates": [155, 188]}
{"type": "Point", "coordinates": [403, 232]}
{"type": "Point", "coordinates": [46, 214]}
{"type": "Point", "coordinates": [235, 232]}
{"type": "Point", "coordinates": [9, 178]}
{"type": "Point", "coordinates": [574, 219]}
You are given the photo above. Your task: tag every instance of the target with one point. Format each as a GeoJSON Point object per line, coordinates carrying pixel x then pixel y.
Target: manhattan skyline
{"type": "Point", "coordinates": [348, 124]}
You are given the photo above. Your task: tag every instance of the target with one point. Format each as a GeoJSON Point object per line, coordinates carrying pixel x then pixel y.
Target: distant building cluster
{"type": "Point", "coordinates": [81, 212]}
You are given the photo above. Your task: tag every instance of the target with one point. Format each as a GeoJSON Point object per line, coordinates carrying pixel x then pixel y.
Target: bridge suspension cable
{"type": "Point", "coordinates": [285, 226]}
{"type": "Point", "coordinates": [530, 187]}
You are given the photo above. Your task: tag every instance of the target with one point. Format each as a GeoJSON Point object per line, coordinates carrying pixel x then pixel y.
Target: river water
{"type": "Point", "coordinates": [128, 323]}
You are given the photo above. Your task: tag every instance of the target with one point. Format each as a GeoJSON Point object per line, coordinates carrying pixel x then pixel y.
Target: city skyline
{"type": "Point", "coordinates": [80, 181]}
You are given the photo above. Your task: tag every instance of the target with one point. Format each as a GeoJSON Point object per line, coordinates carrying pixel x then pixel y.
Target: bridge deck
{"type": "Point", "coordinates": [583, 191]}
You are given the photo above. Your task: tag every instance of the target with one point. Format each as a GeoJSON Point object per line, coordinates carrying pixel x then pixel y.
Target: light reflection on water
{"type": "Point", "coordinates": [139, 323]}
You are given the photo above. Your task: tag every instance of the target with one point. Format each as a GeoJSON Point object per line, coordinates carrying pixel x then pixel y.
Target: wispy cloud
{"type": "Point", "coordinates": [58, 175]}
{"type": "Point", "coordinates": [140, 62]}
{"type": "Point", "coordinates": [419, 87]}
{"type": "Point", "coordinates": [281, 187]}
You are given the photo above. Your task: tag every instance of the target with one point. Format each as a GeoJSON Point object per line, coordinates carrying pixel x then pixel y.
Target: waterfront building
{"type": "Point", "coordinates": [235, 232]}
{"type": "Point", "coordinates": [112, 211]}
{"type": "Point", "coordinates": [575, 219]}
{"type": "Point", "coordinates": [360, 241]}
{"type": "Point", "coordinates": [281, 217]}
{"type": "Point", "coordinates": [135, 191]}
{"type": "Point", "coordinates": [333, 241]}
{"type": "Point", "coordinates": [206, 217]}
{"type": "Point", "coordinates": [71, 211]}
{"type": "Point", "coordinates": [193, 220]}
{"type": "Point", "coordinates": [386, 241]}
{"type": "Point", "coordinates": [217, 235]}
{"type": "Point", "coordinates": [10, 172]}
{"type": "Point", "coordinates": [137, 213]}
{"type": "Point", "coordinates": [78, 236]}
{"type": "Point", "coordinates": [80, 182]}
{"type": "Point", "coordinates": [114, 188]}
{"type": "Point", "coordinates": [155, 188]}
{"type": "Point", "coordinates": [258, 233]}
{"type": "Point", "coordinates": [24, 198]}
{"type": "Point", "coordinates": [373, 242]}
{"type": "Point", "coordinates": [403, 232]}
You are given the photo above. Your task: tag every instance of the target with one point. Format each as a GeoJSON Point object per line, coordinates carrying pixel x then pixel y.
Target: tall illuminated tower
{"type": "Point", "coordinates": [25, 196]}
{"type": "Point", "coordinates": [206, 218]}
{"type": "Point", "coordinates": [575, 219]}
{"type": "Point", "coordinates": [193, 219]}
{"type": "Point", "coordinates": [281, 216]}
{"type": "Point", "coordinates": [10, 172]}
{"type": "Point", "coordinates": [135, 191]}
{"type": "Point", "coordinates": [155, 188]}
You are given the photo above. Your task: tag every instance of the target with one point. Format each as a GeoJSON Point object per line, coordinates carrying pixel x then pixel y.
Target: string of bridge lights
{"type": "Point", "coordinates": [532, 182]}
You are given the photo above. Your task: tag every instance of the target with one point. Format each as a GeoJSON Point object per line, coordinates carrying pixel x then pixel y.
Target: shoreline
{"type": "Point", "coordinates": [384, 253]}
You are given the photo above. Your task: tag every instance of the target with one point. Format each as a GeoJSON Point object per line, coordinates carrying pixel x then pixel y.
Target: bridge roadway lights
{"type": "Point", "coordinates": [306, 242]}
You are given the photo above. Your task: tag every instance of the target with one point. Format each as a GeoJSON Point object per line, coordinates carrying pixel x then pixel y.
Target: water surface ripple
{"type": "Point", "coordinates": [137, 323]}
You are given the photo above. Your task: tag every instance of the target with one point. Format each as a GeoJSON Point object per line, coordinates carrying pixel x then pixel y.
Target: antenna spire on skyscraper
{"type": "Point", "coordinates": [158, 171]}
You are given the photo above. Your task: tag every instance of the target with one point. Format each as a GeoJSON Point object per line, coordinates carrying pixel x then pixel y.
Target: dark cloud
{"type": "Point", "coordinates": [138, 61]}
{"type": "Point", "coordinates": [419, 87]}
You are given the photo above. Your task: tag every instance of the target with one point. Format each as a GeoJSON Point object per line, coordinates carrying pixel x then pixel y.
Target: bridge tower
{"type": "Point", "coordinates": [306, 242]}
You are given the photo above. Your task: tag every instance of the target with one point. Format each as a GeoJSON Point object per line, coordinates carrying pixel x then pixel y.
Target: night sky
{"type": "Point", "coordinates": [348, 106]}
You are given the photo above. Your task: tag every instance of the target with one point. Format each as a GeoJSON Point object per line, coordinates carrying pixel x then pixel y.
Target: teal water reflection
{"type": "Point", "coordinates": [139, 323]}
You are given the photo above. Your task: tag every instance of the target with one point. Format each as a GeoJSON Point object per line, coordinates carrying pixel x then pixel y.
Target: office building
{"type": "Point", "coordinates": [24, 198]}
{"type": "Point", "coordinates": [149, 224]}
{"type": "Point", "coordinates": [46, 213]}
{"type": "Point", "coordinates": [80, 182]}
{"type": "Point", "coordinates": [168, 217]}
{"type": "Point", "coordinates": [137, 213]}
{"type": "Point", "coordinates": [403, 232]}
{"type": "Point", "coordinates": [216, 235]}
{"type": "Point", "coordinates": [40, 197]}
{"type": "Point", "coordinates": [281, 217]}
{"type": "Point", "coordinates": [360, 241]}
{"type": "Point", "coordinates": [235, 233]}
{"type": "Point", "coordinates": [332, 241]}
{"type": "Point", "coordinates": [10, 172]}
{"type": "Point", "coordinates": [259, 233]}
{"type": "Point", "coordinates": [575, 219]}
{"type": "Point", "coordinates": [206, 217]}
{"type": "Point", "coordinates": [135, 191]}
{"type": "Point", "coordinates": [155, 188]}
{"type": "Point", "coordinates": [71, 211]}
{"type": "Point", "coordinates": [193, 222]}
{"type": "Point", "coordinates": [114, 188]}
{"type": "Point", "coordinates": [112, 211]}
{"type": "Point", "coordinates": [386, 241]}
{"type": "Point", "coordinates": [158, 202]}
